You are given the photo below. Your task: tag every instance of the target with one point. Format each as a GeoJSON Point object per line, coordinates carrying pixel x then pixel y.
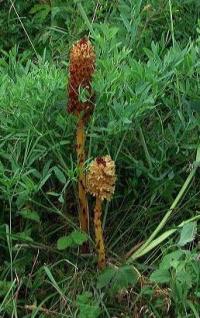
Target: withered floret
{"type": "Point", "coordinates": [81, 69]}
{"type": "Point", "coordinates": [101, 178]}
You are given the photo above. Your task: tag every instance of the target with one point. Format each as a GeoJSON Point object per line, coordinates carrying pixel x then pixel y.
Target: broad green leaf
{"type": "Point", "coordinates": [73, 239]}
{"type": "Point", "coordinates": [105, 277]}
{"type": "Point", "coordinates": [60, 175]}
{"type": "Point", "coordinates": [118, 278]}
{"type": "Point", "coordinates": [31, 215]}
{"type": "Point", "coordinates": [78, 237]}
{"type": "Point", "coordinates": [188, 233]}
{"type": "Point", "coordinates": [184, 277]}
{"type": "Point", "coordinates": [84, 298]}
{"type": "Point", "coordinates": [167, 260]}
{"type": "Point", "coordinates": [160, 276]}
{"type": "Point", "coordinates": [88, 306]}
{"type": "Point", "coordinates": [64, 242]}
{"type": "Point", "coordinates": [125, 277]}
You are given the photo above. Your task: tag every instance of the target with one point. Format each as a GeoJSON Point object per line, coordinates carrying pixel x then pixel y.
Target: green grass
{"type": "Point", "coordinates": [146, 117]}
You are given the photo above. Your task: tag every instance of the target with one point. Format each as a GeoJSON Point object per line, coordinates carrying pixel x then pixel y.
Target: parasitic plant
{"type": "Point", "coordinates": [101, 184]}
{"type": "Point", "coordinates": [81, 69]}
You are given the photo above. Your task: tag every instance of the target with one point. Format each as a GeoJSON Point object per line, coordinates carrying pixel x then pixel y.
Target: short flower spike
{"type": "Point", "coordinates": [81, 69]}
{"type": "Point", "coordinates": [101, 180]}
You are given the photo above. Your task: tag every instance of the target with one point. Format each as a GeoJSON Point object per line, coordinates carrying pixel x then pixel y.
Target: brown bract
{"type": "Point", "coordinates": [101, 178]}
{"type": "Point", "coordinates": [81, 69]}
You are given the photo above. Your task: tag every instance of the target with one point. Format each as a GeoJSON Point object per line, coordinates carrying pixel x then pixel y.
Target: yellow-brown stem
{"type": "Point", "coordinates": [83, 203]}
{"type": "Point", "coordinates": [99, 234]}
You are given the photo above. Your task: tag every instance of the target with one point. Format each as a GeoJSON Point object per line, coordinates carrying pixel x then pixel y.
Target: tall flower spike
{"type": "Point", "coordinates": [81, 69]}
{"type": "Point", "coordinates": [101, 180]}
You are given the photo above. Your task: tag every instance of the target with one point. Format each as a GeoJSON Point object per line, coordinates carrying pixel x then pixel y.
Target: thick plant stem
{"type": "Point", "coordinates": [83, 203]}
{"type": "Point", "coordinates": [99, 234]}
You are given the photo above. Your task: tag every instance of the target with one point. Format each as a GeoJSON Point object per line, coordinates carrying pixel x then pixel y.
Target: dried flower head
{"type": "Point", "coordinates": [101, 178]}
{"type": "Point", "coordinates": [81, 69]}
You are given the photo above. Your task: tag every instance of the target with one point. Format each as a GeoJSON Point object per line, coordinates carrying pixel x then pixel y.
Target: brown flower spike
{"type": "Point", "coordinates": [81, 69]}
{"type": "Point", "coordinates": [101, 180]}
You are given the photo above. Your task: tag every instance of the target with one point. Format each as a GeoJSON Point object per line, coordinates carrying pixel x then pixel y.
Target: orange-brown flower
{"type": "Point", "coordinates": [81, 69]}
{"type": "Point", "coordinates": [101, 178]}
